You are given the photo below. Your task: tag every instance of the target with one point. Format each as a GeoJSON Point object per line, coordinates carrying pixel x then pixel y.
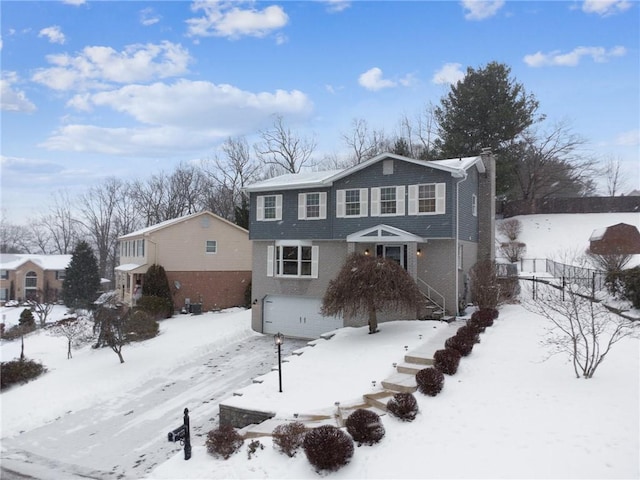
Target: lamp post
{"type": "Point", "coordinates": [279, 339]}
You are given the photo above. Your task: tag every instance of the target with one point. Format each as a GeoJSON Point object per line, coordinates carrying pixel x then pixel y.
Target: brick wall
{"type": "Point", "coordinates": [215, 290]}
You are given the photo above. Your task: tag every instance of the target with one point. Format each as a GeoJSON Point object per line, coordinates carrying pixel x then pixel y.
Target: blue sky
{"type": "Point", "coordinates": [128, 88]}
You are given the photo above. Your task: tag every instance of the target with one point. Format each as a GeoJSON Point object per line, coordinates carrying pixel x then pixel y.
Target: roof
{"type": "Point", "coordinates": [457, 167]}
{"type": "Point", "coordinates": [11, 261]}
{"type": "Point", "coordinates": [173, 221]}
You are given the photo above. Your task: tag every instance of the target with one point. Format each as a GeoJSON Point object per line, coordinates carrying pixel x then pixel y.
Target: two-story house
{"type": "Point", "coordinates": [207, 260]}
{"type": "Point", "coordinates": [27, 277]}
{"type": "Point", "coordinates": [435, 218]}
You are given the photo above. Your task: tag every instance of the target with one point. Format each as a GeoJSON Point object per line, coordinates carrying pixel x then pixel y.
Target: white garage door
{"type": "Point", "coordinates": [296, 317]}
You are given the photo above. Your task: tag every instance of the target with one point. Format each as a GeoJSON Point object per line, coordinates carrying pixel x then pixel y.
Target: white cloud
{"type": "Point", "coordinates": [12, 99]}
{"type": "Point", "coordinates": [148, 17]}
{"type": "Point", "coordinates": [54, 34]}
{"type": "Point", "coordinates": [95, 67]}
{"type": "Point", "coordinates": [74, 2]}
{"type": "Point", "coordinates": [628, 139]}
{"type": "Point", "coordinates": [481, 9]}
{"type": "Point", "coordinates": [450, 73]}
{"type": "Point", "coordinates": [336, 6]}
{"type": "Point", "coordinates": [372, 80]}
{"type": "Point", "coordinates": [226, 19]}
{"type": "Point", "coordinates": [186, 115]}
{"type": "Point", "coordinates": [605, 7]}
{"type": "Point", "coordinates": [571, 59]}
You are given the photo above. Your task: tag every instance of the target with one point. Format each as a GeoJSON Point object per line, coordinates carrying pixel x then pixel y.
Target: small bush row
{"type": "Point", "coordinates": [19, 371]}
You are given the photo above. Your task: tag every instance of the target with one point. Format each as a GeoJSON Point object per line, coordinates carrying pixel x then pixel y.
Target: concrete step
{"type": "Point", "coordinates": [410, 367]}
{"type": "Point", "coordinates": [401, 382]}
{"type": "Point", "coordinates": [379, 400]}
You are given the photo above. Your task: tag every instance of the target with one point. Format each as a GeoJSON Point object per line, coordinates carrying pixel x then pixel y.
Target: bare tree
{"type": "Point", "coordinates": [74, 329]}
{"type": "Point", "coordinates": [15, 238]}
{"type": "Point", "coordinates": [283, 149]}
{"type": "Point", "coordinates": [61, 224]}
{"type": "Point", "coordinates": [41, 304]}
{"type": "Point", "coordinates": [110, 319]}
{"type": "Point", "coordinates": [581, 328]}
{"type": "Point", "coordinates": [364, 143]}
{"type": "Point", "coordinates": [149, 197]}
{"type": "Point", "coordinates": [426, 132]}
{"type": "Point", "coordinates": [364, 285]}
{"type": "Point", "coordinates": [613, 178]}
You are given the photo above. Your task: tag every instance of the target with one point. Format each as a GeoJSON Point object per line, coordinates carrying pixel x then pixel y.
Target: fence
{"type": "Point", "coordinates": [568, 205]}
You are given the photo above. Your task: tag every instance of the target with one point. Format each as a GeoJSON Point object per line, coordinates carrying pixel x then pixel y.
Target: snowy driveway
{"type": "Point", "coordinates": [125, 437]}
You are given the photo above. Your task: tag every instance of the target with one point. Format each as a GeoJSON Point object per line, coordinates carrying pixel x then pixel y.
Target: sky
{"type": "Point", "coordinates": [510, 411]}
{"type": "Point", "coordinates": [92, 89]}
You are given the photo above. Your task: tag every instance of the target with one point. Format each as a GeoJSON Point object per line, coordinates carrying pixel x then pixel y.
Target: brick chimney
{"type": "Point", "coordinates": [487, 207]}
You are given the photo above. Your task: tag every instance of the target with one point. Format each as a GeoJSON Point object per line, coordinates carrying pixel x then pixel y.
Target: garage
{"type": "Point", "coordinates": [296, 317]}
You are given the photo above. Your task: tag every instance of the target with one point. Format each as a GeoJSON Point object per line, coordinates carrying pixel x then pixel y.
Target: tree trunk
{"type": "Point", "coordinates": [373, 320]}
{"type": "Point", "coordinates": [69, 349]}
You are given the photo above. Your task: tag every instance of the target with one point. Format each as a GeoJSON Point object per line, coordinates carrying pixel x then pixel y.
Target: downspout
{"type": "Point", "coordinates": [457, 263]}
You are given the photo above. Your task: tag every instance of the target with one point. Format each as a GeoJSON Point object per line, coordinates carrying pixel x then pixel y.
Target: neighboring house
{"type": "Point", "coordinates": [619, 239]}
{"type": "Point", "coordinates": [27, 277]}
{"type": "Point", "coordinates": [436, 218]}
{"type": "Point", "coordinates": [207, 260]}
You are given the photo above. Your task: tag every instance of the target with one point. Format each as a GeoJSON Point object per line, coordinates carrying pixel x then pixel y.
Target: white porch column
{"type": "Point", "coordinates": [412, 260]}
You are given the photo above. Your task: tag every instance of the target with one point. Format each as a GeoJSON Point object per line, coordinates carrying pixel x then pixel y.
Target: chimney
{"type": "Point", "coordinates": [487, 207]}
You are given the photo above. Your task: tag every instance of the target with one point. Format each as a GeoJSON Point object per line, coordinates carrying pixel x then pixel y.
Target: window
{"type": "Point", "coordinates": [31, 280]}
{"type": "Point", "coordinates": [474, 205]}
{"type": "Point", "coordinates": [212, 246]}
{"type": "Point", "coordinates": [427, 199]}
{"type": "Point", "coordinates": [387, 167]}
{"type": "Point", "coordinates": [387, 201]}
{"type": "Point", "coordinates": [269, 208]}
{"type": "Point", "coordinates": [292, 259]}
{"type": "Point", "coordinates": [312, 206]}
{"type": "Point", "coordinates": [352, 203]}
{"type": "Point", "coordinates": [4, 294]}
{"type": "Point", "coordinates": [140, 248]}
{"type": "Point", "coordinates": [4, 274]}
{"type": "Point", "coordinates": [60, 274]}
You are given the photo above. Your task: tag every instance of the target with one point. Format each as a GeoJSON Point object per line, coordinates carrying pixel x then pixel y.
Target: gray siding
{"type": "Point", "coordinates": [468, 226]}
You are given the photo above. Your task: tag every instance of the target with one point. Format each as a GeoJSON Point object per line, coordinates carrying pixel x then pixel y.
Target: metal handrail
{"type": "Point", "coordinates": [432, 292]}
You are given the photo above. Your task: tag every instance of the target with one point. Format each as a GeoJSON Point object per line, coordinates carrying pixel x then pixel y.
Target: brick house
{"type": "Point", "coordinates": [436, 218]}
{"type": "Point", "coordinates": [207, 260]}
{"type": "Point", "coordinates": [25, 276]}
{"type": "Point", "coordinates": [619, 239]}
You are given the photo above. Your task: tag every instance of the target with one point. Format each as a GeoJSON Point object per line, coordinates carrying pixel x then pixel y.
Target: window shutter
{"type": "Point", "coordinates": [340, 208]}
{"type": "Point", "coordinates": [364, 202]}
{"type": "Point", "coordinates": [413, 199]}
{"type": "Point", "coordinates": [375, 202]}
{"type": "Point", "coordinates": [302, 206]}
{"type": "Point", "coordinates": [278, 207]}
{"type": "Point", "coordinates": [441, 190]}
{"type": "Point", "coordinates": [270, 261]}
{"type": "Point", "coordinates": [260, 209]}
{"type": "Point", "coordinates": [323, 204]}
{"type": "Point", "coordinates": [400, 200]}
{"type": "Point", "coordinates": [315, 251]}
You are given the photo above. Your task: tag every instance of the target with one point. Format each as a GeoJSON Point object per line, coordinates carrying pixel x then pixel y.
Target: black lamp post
{"type": "Point", "coordinates": [279, 339]}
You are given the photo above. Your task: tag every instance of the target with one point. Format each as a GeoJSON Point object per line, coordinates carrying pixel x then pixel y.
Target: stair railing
{"type": "Point", "coordinates": [432, 294]}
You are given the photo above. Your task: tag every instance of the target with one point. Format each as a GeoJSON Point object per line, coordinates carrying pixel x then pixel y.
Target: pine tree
{"type": "Point", "coordinates": [156, 284]}
{"type": "Point", "coordinates": [82, 278]}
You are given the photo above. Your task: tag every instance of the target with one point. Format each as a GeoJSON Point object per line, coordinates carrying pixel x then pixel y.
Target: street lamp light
{"type": "Point", "coordinates": [279, 339]}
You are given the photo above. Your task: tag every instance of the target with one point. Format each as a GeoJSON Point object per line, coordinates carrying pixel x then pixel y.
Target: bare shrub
{"type": "Point", "coordinates": [328, 448]}
{"type": "Point", "coordinates": [514, 251]}
{"type": "Point", "coordinates": [430, 381]}
{"type": "Point", "coordinates": [485, 290]}
{"type": "Point", "coordinates": [510, 228]}
{"type": "Point", "coordinates": [288, 437]}
{"type": "Point", "coordinates": [403, 406]}
{"type": "Point", "coordinates": [365, 427]}
{"type": "Point", "coordinates": [223, 441]}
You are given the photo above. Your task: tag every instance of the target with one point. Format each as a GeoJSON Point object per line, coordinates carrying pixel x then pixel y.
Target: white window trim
{"type": "Point", "coordinates": [441, 199]}
{"type": "Point", "coordinates": [302, 206]}
{"type": "Point", "coordinates": [341, 203]}
{"type": "Point", "coordinates": [474, 205]}
{"type": "Point", "coordinates": [206, 247]}
{"type": "Point", "coordinates": [272, 260]}
{"type": "Point", "coordinates": [260, 208]}
{"type": "Point", "coordinates": [376, 202]}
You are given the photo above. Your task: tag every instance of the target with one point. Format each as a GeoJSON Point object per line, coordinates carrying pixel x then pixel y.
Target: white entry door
{"type": "Point", "coordinates": [296, 317]}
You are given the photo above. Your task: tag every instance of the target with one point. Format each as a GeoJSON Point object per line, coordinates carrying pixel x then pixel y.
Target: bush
{"type": "Point", "coordinates": [430, 381]}
{"type": "Point", "coordinates": [140, 326]}
{"type": "Point", "coordinates": [485, 290]}
{"type": "Point", "coordinates": [514, 251]}
{"type": "Point", "coordinates": [19, 371]}
{"type": "Point", "coordinates": [447, 360]}
{"type": "Point", "coordinates": [18, 331]}
{"type": "Point", "coordinates": [462, 344]}
{"type": "Point", "coordinates": [485, 316]}
{"type": "Point", "coordinates": [26, 318]}
{"type": "Point", "coordinates": [630, 280]}
{"type": "Point", "coordinates": [328, 448]}
{"type": "Point", "coordinates": [403, 406]}
{"type": "Point", "coordinates": [157, 307]}
{"type": "Point", "coordinates": [365, 427]}
{"type": "Point", "coordinates": [224, 441]}
{"type": "Point", "coordinates": [469, 333]}
{"type": "Point", "coordinates": [475, 325]}
{"type": "Point", "coordinates": [510, 228]}
{"type": "Point", "coordinates": [288, 437]}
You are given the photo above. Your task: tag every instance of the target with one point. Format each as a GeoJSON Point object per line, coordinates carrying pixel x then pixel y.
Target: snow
{"type": "Point", "coordinates": [509, 412]}
{"type": "Point", "coordinates": [11, 261]}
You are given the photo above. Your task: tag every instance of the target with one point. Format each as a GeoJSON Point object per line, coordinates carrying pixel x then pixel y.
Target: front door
{"type": "Point", "coordinates": [393, 252]}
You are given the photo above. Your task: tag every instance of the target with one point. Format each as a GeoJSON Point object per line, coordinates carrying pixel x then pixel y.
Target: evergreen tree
{"type": "Point", "coordinates": [486, 108]}
{"type": "Point", "coordinates": [82, 278]}
{"type": "Point", "coordinates": [156, 284]}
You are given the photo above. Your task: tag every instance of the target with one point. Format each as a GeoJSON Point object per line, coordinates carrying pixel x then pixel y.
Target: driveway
{"type": "Point", "coordinates": [125, 437]}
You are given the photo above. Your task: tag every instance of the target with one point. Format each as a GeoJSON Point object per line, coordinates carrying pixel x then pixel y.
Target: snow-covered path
{"type": "Point", "coordinates": [125, 437]}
